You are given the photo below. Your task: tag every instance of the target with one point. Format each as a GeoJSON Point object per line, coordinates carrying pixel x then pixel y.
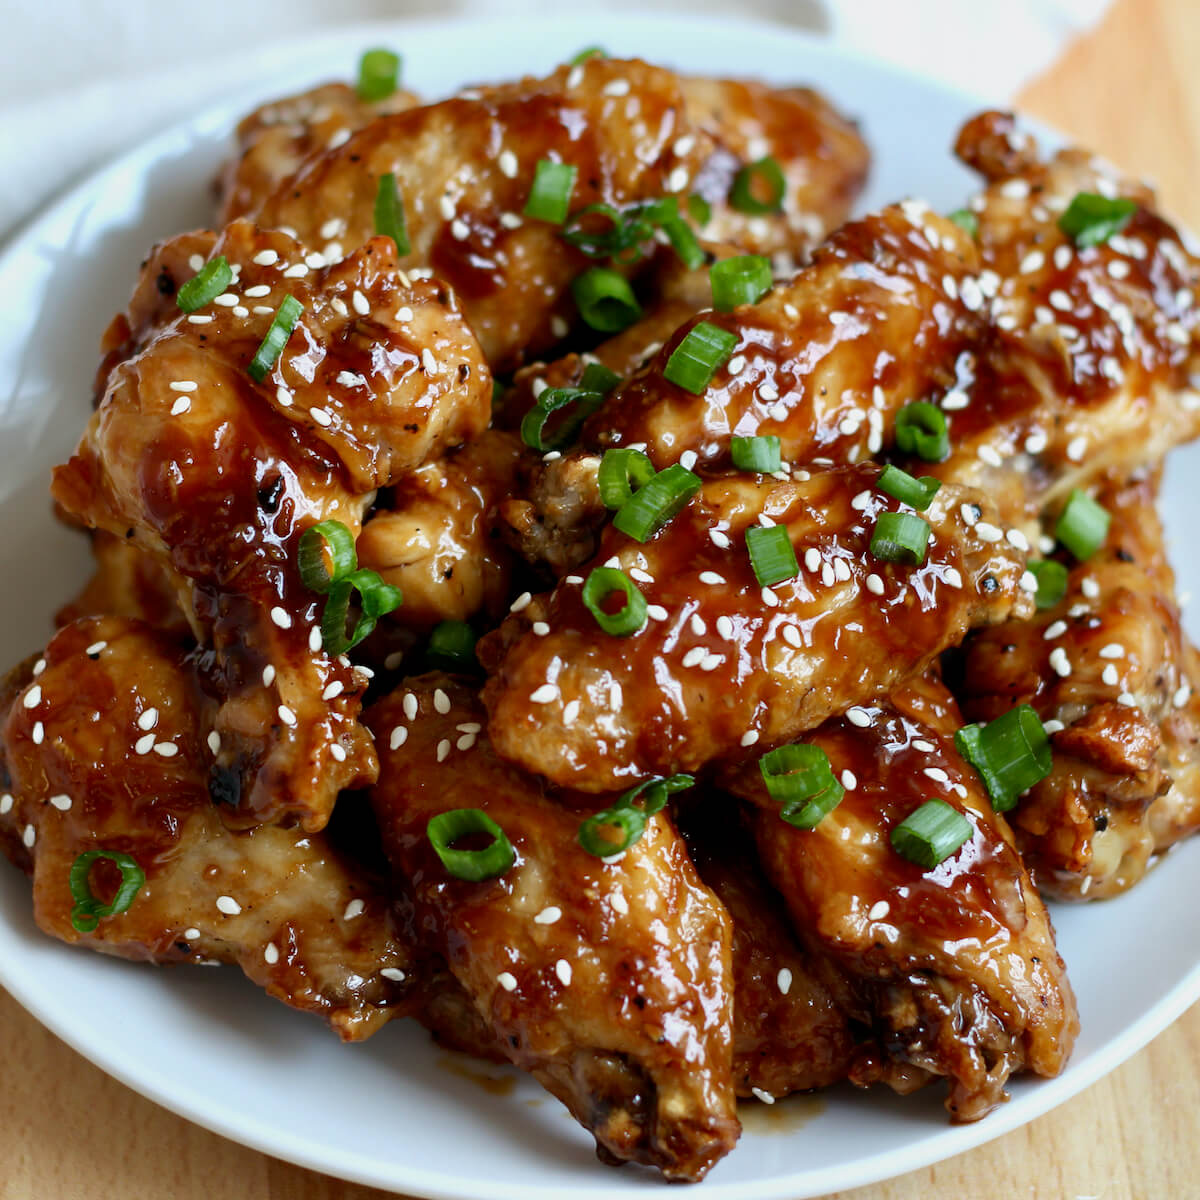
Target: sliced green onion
{"type": "Point", "coordinates": [586, 53]}
{"type": "Point", "coordinates": [744, 279]}
{"type": "Point", "coordinates": [966, 220]}
{"type": "Point", "coordinates": [628, 816]}
{"type": "Point", "coordinates": [1011, 754]}
{"type": "Point", "coordinates": [1083, 525]}
{"type": "Point", "coordinates": [699, 209]}
{"type": "Point", "coordinates": [604, 582]}
{"type": "Point", "coordinates": [771, 554]}
{"type": "Point", "coordinates": [205, 286]}
{"type": "Point", "coordinates": [452, 646]}
{"type": "Point", "coordinates": [378, 74]}
{"type": "Point", "coordinates": [88, 909]}
{"type": "Point", "coordinates": [605, 300]}
{"type": "Point", "coordinates": [761, 453]}
{"type": "Point", "coordinates": [921, 430]}
{"type": "Point", "coordinates": [656, 502]}
{"type": "Point", "coordinates": [764, 176]}
{"type": "Point", "coordinates": [683, 241]}
{"type": "Point", "coordinates": [389, 213]}
{"type": "Point", "coordinates": [1090, 219]}
{"type": "Point", "coordinates": [473, 865]}
{"type": "Point", "coordinates": [271, 347]}
{"type": "Point", "coordinates": [584, 231]}
{"type": "Point", "coordinates": [900, 538]}
{"type": "Point", "coordinates": [1051, 579]}
{"type": "Point", "coordinates": [376, 598]}
{"type": "Point", "coordinates": [622, 472]}
{"type": "Point", "coordinates": [533, 424]}
{"type": "Point", "coordinates": [599, 378]}
{"type": "Point", "coordinates": [550, 196]}
{"type": "Point", "coordinates": [697, 358]}
{"type": "Point", "coordinates": [903, 487]}
{"type": "Point", "coordinates": [800, 777]}
{"type": "Point", "coordinates": [931, 833]}
{"type": "Point", "coordinates": [310, 555]}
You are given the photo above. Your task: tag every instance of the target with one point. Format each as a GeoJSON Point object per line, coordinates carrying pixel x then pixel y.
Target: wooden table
{"type": "Point", "coordinates": [1130, 90]}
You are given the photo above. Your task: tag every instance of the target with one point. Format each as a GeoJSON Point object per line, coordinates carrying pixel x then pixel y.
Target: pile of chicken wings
{"type": "Point", "coordinates": [199, 766]}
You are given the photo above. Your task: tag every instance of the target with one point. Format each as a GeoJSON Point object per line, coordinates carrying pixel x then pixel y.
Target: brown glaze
{"type": "Point", "coordinates": [1126, 759]}
{"type": "Point", "coordinates": [220, 493]}
{"type": "Point", "coordinates": [611, 710]}
{"type": "Point", "coordinates": [105, 746]}
{"type": "Point", "coordinates": [620, 1003]}
{"type": "Point", "coordinates": [954, 968]}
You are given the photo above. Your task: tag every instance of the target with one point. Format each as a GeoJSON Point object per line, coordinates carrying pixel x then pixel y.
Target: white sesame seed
{"type": "Point", "coordinates": [6, 804]}
{"type": "Point", "coordinates": [409, 704]}
{"type": "Point", "coordinates": [441, 702]}
{"type": "Point", "coordinates": [562, 969]}
{"type": "Point", "coordinates": [336, 752]}
{"type": "Point", "coordinates": [687, 460]}
{"type": "Point", "coordinates": [1110, 675]}
{"type": "Point", "coordinates": [322, 416]}
{"type": "Point", "coordinates": [969, 513]}
{"type": "Point", "coordinates": [1128, 699]}
{"type": "Point", "coordinates": [148, 719]}
{"type": "Point", "coordinates": [1182, 695]}
{"type": "Point", "coordinates": [783, 981]}
{"type": "Point", "coordinates": [443, 749]}
{"type": "Point", "coordinates": [719, 539]}
{"type": "Point", "coordinates": [268, 675]}
{"type": "Point", "coordinates": [858, 716]}
{"type": "Point", "coordinates": [791, 635]}
{"type": "Point", "coordinates": [1112, 650]}
{"type": "Point", "coordinates": [1028, 582]}
{"type": "Point", "coordinates": [987, 532]}
{"type": "Point", "coordinates": [507, 162]}
{"type": "Point", "coordinates": [283, 396]}
{"type": "Point", "coordinates": [1056, 630]}
{"type": "Point", "coordinates": [314, 639]}
{"type": "Point", "coordinates": [570, 712]}
{"type": "Point", "coordinates": [465, 742]}
{"type": "Point", "coordinates": [29, 837]}
{"type": "Point", "coordinates": [266, 258]}
{"type": "Point", "coordinates": [1059, 662]}
{"type": "Point", "coordinates": [548, 915]}
{"type": "Point", "coordinates": [61, 802]}
{"type": "Point", "coordinates": [750, 737]}
{"type": "Point", "coordinates": [286, 715]}
{"type": "Point", "coordinates": [399, 737]}
{"type": "Point", "coordinates": [39, 667]}
{"type": "Point", "coordinates": [281, 617]}
{"type": "Point", "coordinates": [1036, 442]}
{"type": "Point", "coordinates": [334, 690]}
{"type": "Point", "coordinates": [180, 406]}
{"type": "Point", "coordinates": [199, 319]}
{"type": "Point", "coordinates": [952, 577]}
{"type": "Point", "coordinates": [879, 910]}
{"type": "Point", "coordinates": [1016, 539]}
{"type": "Point", "coordinates": [710, 662]}
{"type": "Point", "coordinates": [736, 364]}
{"type": "Point", "coordinates": [296, 271]}
{"type": "Point", "coordinates": [849, 780]}
{"type": "Point", "coordinates": [1090, 588]}
{"type": "Point", "coordinates": [33, 697]}
{"type": "Point", "coordinates": [874, 584]}
{"type": "Point", "coordinates": [144, 744]}
{"type": "Point", "coordinates": [507, 981]}
{"type": "Point", "coordinates": [544, 694]}
{"type": "Point", "coordinates": [510, 220]}
{"type": "Point", "coordinates": [1033, 261]}
{"type": "Point", "coordinates": [182, 385]}
{"type": "Point", "coordinates": [228, 905]}
{"type": "Point", "coordinates": [765, 1097]}
{"type": "Point", "coordinates": [678, 179]}
{"type": "Point", "coordinates": [656, 612]}
{"type": "Point", "coordinates": [431, 365]}
{"type": "Point", "coordinates": [711, 577]}
{"type": "Point", "coordinates": [214, 742]}
{"type": "Point", "coordinates": [990, 455]}
{"type": "Point", "coordinates": [190, 935]}
{"type": "Point", "coordinates": [39, 733]}
{"type": "Point", "coordinates": [226, 299]}
{"type": "Point", "coordinates": [166, 749]}
{"type": "Point", "coordinates": [270, 954]}
{"type": "Point", "coordinates": [694, 657]}
{"type": "Point", "coordinates": [361, 304]}
{"type": "Point", "coordinates": [393, 973]}
{"type": "Point", "coordinates": [724, 627]}
{"type": "Point", "coordinates": [353, 909]}
{"type": "Point", "coordinates": [1077, 448]}
{"type": "Point", "coordinates": [812, 559]}
{"type": "Point", "coordinates": [1053, 726]}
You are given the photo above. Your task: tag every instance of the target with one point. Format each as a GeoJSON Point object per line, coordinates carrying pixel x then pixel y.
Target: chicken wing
{"type": "Point", "coordinates": [721, 663]}
{"type": "Point", "coordinates": [1090, 351]}
{"type": "Point", "coordinates": [217, 476]}
{"type": "Point", "coordinates": [107, 746]}
{"type": "Point", "coordinates": [955, 968]}
{"type": "Point", "coordinates": [607, 980]}
{"type": "Point", "coordinates": [824, 361]}
{"type": "Point", "coordinates": [1110, 666]}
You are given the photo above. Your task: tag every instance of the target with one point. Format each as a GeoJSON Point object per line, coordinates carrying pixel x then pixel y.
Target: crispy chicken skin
{"type": "Point", "coordinates": [1111, 665]}
{"type": "Point", "coordinates": [608, 981]}
{"type": "Point", "coordinates": [789, 1035]}
{"type": "Point", "coordinates": [274, 142]}
{"type": "Point", "coordinates": [954, 969]}
{"type": "Point", "coordinates": [1087, 362]}
{"type": "Point", "coordinates": [437, 537]}
{"type": "Point", "coordinates": [105, 747]}
{"type": "Point", "coordinates": [822, 362]}
{"type": "Point", "coordinates": [464, 168]}
{"type": "Point", "coordinates": [217, 477]}
{"type": "Point", "coordinates": [718, 664]}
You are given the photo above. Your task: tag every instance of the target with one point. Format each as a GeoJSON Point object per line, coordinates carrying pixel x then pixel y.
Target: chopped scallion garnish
{"type": "Point", "coordinates": [1091, 220]}
{"type": "Point", "coordinates": [698, 357]}
{"type": "Point", "coordinates": [205, 286]}
{"type": "Point", "coordinates": [761, 453]}
{"type": "Point", "coordinates": [378, 74]}
{"type": "Point", "coordinates": [800, 777]}
{"type": "Point", "coordinates": [900, 538]}
{"type": "Point", "coordinates": [601, 584]}
{"type": "Point", "coordinates": [389, 214]}
{"type": "Point", "coordinates": [1051, 579]}
{"type": "Point", "coordinates": [88, 909]}
{"type": "Point", "coordinates": [621, 473]}
{"type": "Point", "coordinates": [758, 187]}
{"type": "Point", "coordinates": [931, 833]}
{"type": "Point", "coordinates": [271, 347]}
{"type": "Point", "coordinates": [586, 53]}
{"type": "Point", "coordinates": [699, 209]}
{"type": "Point", "coordinates": [744, 279]}
{"type": "Point", "coordinates": [1083, 525]}
{"type": "Point", "coordinates": [921, 430]}
{"type": "Point", "coordinates": [472, 865]}
{"type": "Point", "coordinates": [902, 486]}
{"type": "Point", "coordinates": [628, 816]}
{"type": "Point", "coordinates": [550, 195]}
{"type": "Point", "coordinates": [1011, 754]}
{"type": "Point", "coordinates": [452, 646]}
{"type": "Point", "coordinates": [656, 502]}
{"type": "Point", "coordinates": [605, 300]}
{"type": "Point", "coordinates": [966, 220]}
{"type": "Point", "coordinates": [771, 554]}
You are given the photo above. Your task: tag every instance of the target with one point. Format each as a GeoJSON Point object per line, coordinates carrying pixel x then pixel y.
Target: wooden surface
{"type": "Point", "coordinates": [67, 1132]}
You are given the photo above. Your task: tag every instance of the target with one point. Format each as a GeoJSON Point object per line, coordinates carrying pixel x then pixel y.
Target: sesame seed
{"type": "Point", "coordinates": [694, 657]}
{"type": "Point", "coordinates": [6, 804]}
{"type": "Point", "coordinates": [510, 220]}
{"type": "Point", "coordinates": [398, 738]}
{"type": "Point", "coordinates": [1033, 261]}
{"type": "Point", "coordinates": [827, 576]}
{"type": "Point", "coordinates": [678, 179]}
{"type": "Point", "coordinates": [936, 774]}
{"type": "Point", "coordinates": [266, 258]}
{"type": "Point", "coordinates": [29, 837]}
{"type": "Point", "coordinates": [441, 702]}
{"type": "Point", "coordinates": [783, 981]}
{"type": "Point", "coordinates": [1016, 539]}
{"type": "Point", "coordinates": [393, 973]}
{"type": "Point", "coordinates": [687, 460]}
{"type": "Point", "coordinates": [360, 303]}
{"type": "Point", "coordinates": [166, 749]}
{"type": "Point", "coordinates": [148, 719]}
{"type": "Point", "coordinates": [969, 512]}
{"type": "Point", "coordinates": [879, 910]}
{"type": "Point", "coordinates": [443, 749]}
{"type": "Point", "coordinates": [465, 742]}
{"type": "Point", "coordinates": [1028, 582]}
{"type": "Point", "coordinates": [544, 694]}
{"type": "Point", "coordinates": [562, 969]}
{"type": "Point", "coordinates": [334, 690]}
{"type": "Point", "coordinates": [226, 299]}
{"type": "Point", "coordinates": [1090, 588]}
{"type": "Point", "coordinates": [849, 780]}
{"type": "Point", "coordinates": [736, 364]}
{"type": "Point", "coordinates": [268, 675]}
{"type": "Point", "coordinates": [214, 742]}
{"type": "Point", "coordinates": [952, 577]}
{"type": "Point", "coordinates": [987, 532]}
{"type": "Point", "coordinates": [296, 271]}
{"type": "Point", "coordinates": [39, 733]}
{"type": "Point", "coordinates": [521, 602]}
{"type": "Point", "coordinates": [353, 909]}
{"type": "Point", "coordinates": [1127, 699]}
{"type": "Point", "coordinates": [1036, 442]}
{"type": "Point", "coordinates": [791, 635]}
{"type": "Point", "coordinates": [286, 715]}
{"type": "Point", "coordinates": [1110, 675]}
{"type": "Point", "coordinates": [874, 584]}
{"type": "Point", "coordinates": [548, 915]}
{"type": "Point", "coordinates": [61, 802]}
{"type": "Point", "coordinates": [404, 314]}
{"type": "Point", "coordinates": [190, 935]}
{"type": "Point", "coordinates": [271, 954]}
{"type": "Point", "coordinates": [228, 905]}
{"type": "Point", "coordinates": [507, 981]}
{"type": "Point", "coordinates": [570, 712]}
{"type": "Point", "coordinates": [710, 662]}
{"type": "Point", "coordinates": [861, 500]}
{"type": "Point", "coordinates": [656, 612]}
{"type": "Point", "coordinates": [719, 539]}
{"type": "Point", "coordinates": [199, 319]}
{"type": "Point", "coordinates": [858, 716]}
{"type": "Point", "coordinates": [409, 704]}
{"type": "Point", "coordinates": [1059, 662]}
{"type": "Point", "coordinates": [724, 627]}
{"type": "Point", "coordinates": [33, 697]}
{"type": "Point", "coordinates": [336, 752]}
{"type": "Point", "coordinates": [990, 455]}
{"type": "Point", "coordinates": [1112, 650]}
{"type": "Point", "coordinates": [322, 416]}
{"type": "Point", "coordinates": [281, 617]}
{"type": "Point", "coordinates": [750, 737]}
{"type": "Point", "coordinates": [765, 1097]}
{"type": "Point", "coordinates": [769, 598]}
{"type": "Point", "coordinates": [283, 396]}
{"type": "Point", "coordinates": [39, 667]}
{"type": "Point", "coordinates": [180, 406]}
{"type": "Point", "coordinates": [711, 577]}
{"type": "Point", "coordinates": [182, 385]}
{"type": "Point", "coordinates": [1182, 694]}
{"type": "Point", "coordinates": [144, 744]}
{"type": "Point", "coordinates": [1076, 448]}
{"type": "Point", "coordinates": [1057, 629]}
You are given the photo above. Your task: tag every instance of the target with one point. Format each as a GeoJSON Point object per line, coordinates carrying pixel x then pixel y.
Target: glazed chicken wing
{"type": "Point", "coordinates": [106, 746]}
{"type": "Point", "coordinates": [607, 980]}
{"type": "Point", "coordinates": [1110, 666]}
{"type": "Point", "coordinates": [954, 969]}
{"type": "Point", "coordinates": [720, 662]}
{"type": "Point", "coordinates": [217, 476]}
{"type": "Point", "coordinates": [1090, 353]}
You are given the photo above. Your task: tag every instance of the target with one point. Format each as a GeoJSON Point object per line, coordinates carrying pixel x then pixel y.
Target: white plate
{"type": "Point", "coordinates": [390, 1113]}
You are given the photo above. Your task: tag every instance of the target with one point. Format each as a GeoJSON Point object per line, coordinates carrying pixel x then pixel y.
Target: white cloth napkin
{"type": "Point", "coordinates": [84, 78]}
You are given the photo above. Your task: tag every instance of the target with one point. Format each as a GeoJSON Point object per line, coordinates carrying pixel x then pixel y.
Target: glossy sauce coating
{"type": "Point", "coordinates": [217, 476]}
{"type": "Point", "coordinates": [1111, 666]}
{"type": "Point", "coordinates": [824, 361]}
{"type": "Point", "coordinates": [105, 747]}
{"type": "Point", "coordinates": [955, 968]}
{"type": "Point", "coordinates": [721, 663]}
{"type": "Point", "coordinates": [608, 981]}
